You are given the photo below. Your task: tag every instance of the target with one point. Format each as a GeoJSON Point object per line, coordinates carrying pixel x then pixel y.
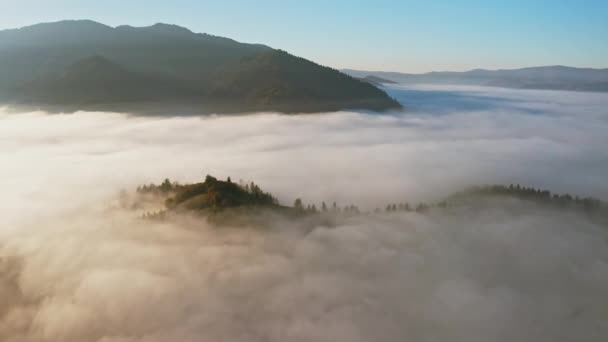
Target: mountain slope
{"type": "Point", "coordinates": [276, 77]}
{"type": "Point", "coordinates": [83, 62]}
{"type": "Point", "coordinates": [97, 80]}
{"type": "Point", "coordinates": [547, 77]}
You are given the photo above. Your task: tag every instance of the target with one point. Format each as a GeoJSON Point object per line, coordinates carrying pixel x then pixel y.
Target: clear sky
{"type": "Point", "coordinates": [408, 36]}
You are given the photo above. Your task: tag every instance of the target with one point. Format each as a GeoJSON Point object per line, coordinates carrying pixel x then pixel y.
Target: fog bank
{"type": "Point", "coordinates": [545, 139]}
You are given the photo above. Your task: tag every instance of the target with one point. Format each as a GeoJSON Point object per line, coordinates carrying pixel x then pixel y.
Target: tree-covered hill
{"type": "Point", "coordinates": [82, 64]}
{"type": "Point", "coordinates": [213, 194]}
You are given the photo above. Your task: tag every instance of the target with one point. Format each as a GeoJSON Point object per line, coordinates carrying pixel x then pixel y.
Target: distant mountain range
{"type": "Point", "coordinates": [88, 65]}
{"type": "Point", "coordinates": [546, 77]}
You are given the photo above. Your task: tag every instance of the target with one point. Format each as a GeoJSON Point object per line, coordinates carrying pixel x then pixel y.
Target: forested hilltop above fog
{"type": "Point", "coordinates": [546, 77]}
{"type": "Point", "coordinates": [227, 201]}
{"type": "Point", "coordinates": [76, 65]}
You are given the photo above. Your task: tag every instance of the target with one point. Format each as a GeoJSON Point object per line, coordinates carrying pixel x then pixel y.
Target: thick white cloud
{"type": "Point", "coordinates": [74, 269]}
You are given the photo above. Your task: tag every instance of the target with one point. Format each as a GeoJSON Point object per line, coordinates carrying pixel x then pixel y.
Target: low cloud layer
{"type": "Point", "coordinates": [508, 273]}
{"type": "Point", "coordinates": [74, 269]}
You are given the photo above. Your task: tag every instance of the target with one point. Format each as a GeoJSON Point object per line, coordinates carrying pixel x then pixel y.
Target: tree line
{"type": "Point", "coordinates": [252, 194]}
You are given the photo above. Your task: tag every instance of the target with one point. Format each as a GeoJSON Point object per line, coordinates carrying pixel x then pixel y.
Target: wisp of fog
{"type": "Point", "coordinates": [75, 267]}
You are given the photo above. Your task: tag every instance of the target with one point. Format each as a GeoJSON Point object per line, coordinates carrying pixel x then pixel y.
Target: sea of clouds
{"type": "Point", "coordinates": [73, 267]}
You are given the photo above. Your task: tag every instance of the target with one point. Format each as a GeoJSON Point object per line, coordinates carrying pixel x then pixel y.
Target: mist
{"type": "Point", "coordinates": [74, 266]}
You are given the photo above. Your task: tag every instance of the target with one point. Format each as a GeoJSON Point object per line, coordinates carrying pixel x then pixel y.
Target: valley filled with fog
{"type": "Point", "coordinates": [74, 266]}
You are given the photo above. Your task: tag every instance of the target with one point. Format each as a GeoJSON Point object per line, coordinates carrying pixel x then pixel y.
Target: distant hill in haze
{"type": "Point", "coordinates": [375, 80]}
{"type": "Point", "coordinates": [84, 64]}
{"type": "Point", "coordinates": [547, 77]}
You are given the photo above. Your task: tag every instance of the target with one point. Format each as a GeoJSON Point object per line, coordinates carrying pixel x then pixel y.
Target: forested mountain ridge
{"type": "Point", "coordinates": [83, 63]}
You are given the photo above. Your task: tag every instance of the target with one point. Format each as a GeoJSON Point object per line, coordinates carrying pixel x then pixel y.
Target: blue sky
{"type": "Point", "coordinates": [409, 36]}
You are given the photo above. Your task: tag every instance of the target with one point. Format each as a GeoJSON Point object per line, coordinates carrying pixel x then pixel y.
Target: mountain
{"type": "Point", "coordinates": [547, 77]}
{"type": "Point", "coordinates": [84, 64]}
